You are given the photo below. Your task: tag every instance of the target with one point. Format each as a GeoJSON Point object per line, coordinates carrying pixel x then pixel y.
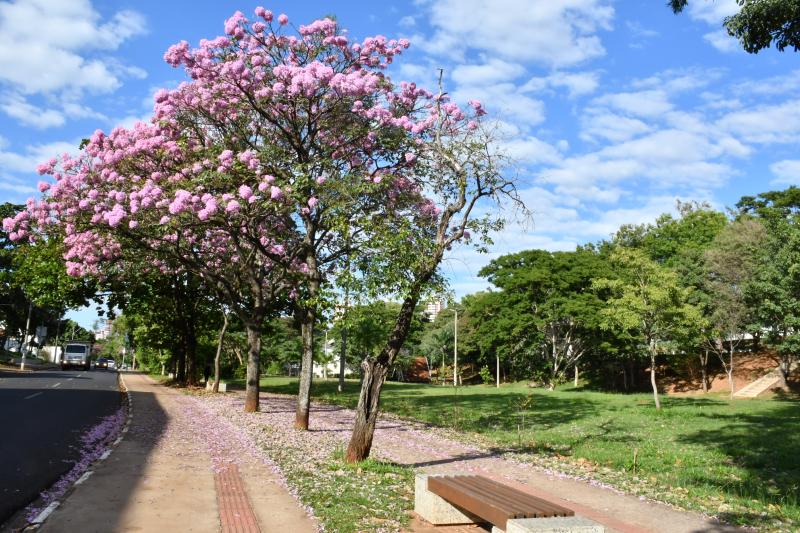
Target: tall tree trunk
{"type": "Point", "coordinates": [308, 316]}
{"type": "Point", "coordinates": [251, 399]}
{"type": "Point", "coordinates": [342, 359]}
{"type": "Point", "coordinates": [375, 371]}
{"type": "Point", "coordinates": [653, 380]}
{"type": "Point", "coordinates": [576, 375]}
{"type": "Point", "coordinates": [191, 351]}
{"type": "Point", "coordinates": [703, 369]}
{"type": "Point", "coordinates": [367, 411]}
{"type": "Point", "coordinates": [219, 350]}
{"type": "Point", "coordinates": [730, 367]}
{"type": "Point", "coordinates": [180, 362]}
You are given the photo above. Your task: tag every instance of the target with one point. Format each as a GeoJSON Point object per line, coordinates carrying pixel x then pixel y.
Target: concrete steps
{"type": "Point", "coordinates": [762, 384]}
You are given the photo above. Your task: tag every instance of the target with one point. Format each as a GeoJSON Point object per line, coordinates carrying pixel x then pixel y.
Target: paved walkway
{"type": "Point", "coordinates": [171, 473]}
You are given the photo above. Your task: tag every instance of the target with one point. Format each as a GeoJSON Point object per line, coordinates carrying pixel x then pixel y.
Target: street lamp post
{"type": "Point", "coordinates": [25, 342]}
{"type": "Point", "coordinates": [455, 348]}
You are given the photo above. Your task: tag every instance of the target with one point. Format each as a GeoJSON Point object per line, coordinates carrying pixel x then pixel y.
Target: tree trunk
{"type": "Point", "coordinates": [576, 375]}
{"type": "Point", "coordinates": [703, 369]}
{"type": "Point", "coordinates": [191, 351]}
{"type": "Point", "coordinates": [367, 411]}
{"type": "Point", "coordinates": [497, 371]}
{"type": "Point", "coordinates": [253, 354]}
{"type": "Point", "coordinates": [342, 360]}
{"type": "Point", "coordinates": [180, 363]}
{"type": "Point", "coordinates": [653, 380]}
{"type": "Point", "coordinates": [624, 378]}
{"type": "Point", "coordinates": [219, 351]}
{"type": "Point", "coordinates": [375, 371]}
{"type": "Point", "coordinates": [307, 318]}
{"type": "Point", "coordinates": [729, 370]}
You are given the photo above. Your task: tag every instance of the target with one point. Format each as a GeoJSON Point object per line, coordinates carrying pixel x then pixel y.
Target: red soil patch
{"type": "Point", "coordinates": [747, 367]}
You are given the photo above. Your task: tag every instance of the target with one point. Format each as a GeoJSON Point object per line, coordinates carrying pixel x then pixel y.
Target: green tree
{"type": "Point", "coordinates": [648, 302]}
{"type": "Point", "coordinates": [761, 23]}
{"type": "Point", "coordinates": [775, 290]}
{"type": "Point", "coordinates": [732, 261]}
{"type": "Point", "coordinates": [555, 314]}
{"type": "Point", "coordinates": [680, 244]}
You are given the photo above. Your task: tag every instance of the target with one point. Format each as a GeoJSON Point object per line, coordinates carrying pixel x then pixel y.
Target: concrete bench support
{"type": "Point", "coordinates": [436, 510]}
{"type": "Point", "coordinates": [222, 386]}
{"type": "Point", "coordinates": [567, 524]}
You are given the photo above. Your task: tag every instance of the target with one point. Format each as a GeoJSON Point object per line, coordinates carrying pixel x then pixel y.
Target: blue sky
{"type": "Point", "coordinates": [612, 110]}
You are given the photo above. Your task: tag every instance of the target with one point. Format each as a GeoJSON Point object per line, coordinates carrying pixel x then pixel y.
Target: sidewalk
{"type": "Point", "coordinates": [178, 470]}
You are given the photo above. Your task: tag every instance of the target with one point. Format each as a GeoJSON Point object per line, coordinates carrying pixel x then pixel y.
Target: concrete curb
{"type": "Point", "coordinates": [37, 522]}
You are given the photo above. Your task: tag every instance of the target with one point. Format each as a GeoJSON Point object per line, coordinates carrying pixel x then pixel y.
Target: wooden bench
{"type": "Point", "coordinates": [492, 501]}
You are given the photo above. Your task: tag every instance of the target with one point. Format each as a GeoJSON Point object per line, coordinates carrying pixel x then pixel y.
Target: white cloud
{"type": "Point", "coordinates": [722, 41]}
{"type": "Point", "coordinates": [61, 49]}
{"type": "Point", "coordinates": [652, 103]}
{"type": "Point", "coordinates": [16, 106]}
{"type": "Point", "coordinates": [540, 31]}
{"type": "Point", "coordinates": [576, 83]}
{"type": "Point", "coordinates": [778, 123]}
{"type": "Point", "coordinates": [493, 71]}
{"type": "Point", "coordinates": [33, 155]}
{"type": "Point", "coordinates": [679, 80]}
{"type": "Point", "coordinates": [772, 86]}
{"type": "Point", "coordinates": [713, 12]}
{"type": "Point", "coordinates": [8, 183]}
{"type": "Point", "coordinates": [604, 125]}
{"type": "Point", "coordinates": [504, 101]}
{"type": "Point", "coordinates": [787, 172]}
{"type": "Point", "coordinates": [407, 22]}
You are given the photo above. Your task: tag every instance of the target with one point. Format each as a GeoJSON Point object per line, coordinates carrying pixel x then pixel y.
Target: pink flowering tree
{"type": "Point", "coordinates": [335, 141]}
{"type": "Point", "coordinates": [166, 195]}
{"type": "Point", "coordinates": [286, 154]}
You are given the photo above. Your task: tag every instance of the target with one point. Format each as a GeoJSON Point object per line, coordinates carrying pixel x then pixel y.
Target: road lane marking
{"type": "Point", "coordinates": [34, 395]}
{"type": "Point", "coordinates": [56, 385]}
{"type": "Point", "coordinates": [105, 455]}
{"type": "Point", "coordinates": [70, 379]}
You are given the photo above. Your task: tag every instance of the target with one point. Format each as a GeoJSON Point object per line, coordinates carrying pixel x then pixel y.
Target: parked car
{"type": "Point", "coordinates": [112, 364]}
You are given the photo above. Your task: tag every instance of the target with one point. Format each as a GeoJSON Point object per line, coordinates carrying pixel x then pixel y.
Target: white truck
{"type": "Point", "coordinates": [77, 353]}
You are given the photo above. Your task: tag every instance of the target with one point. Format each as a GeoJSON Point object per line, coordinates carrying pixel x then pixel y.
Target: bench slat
{"type": "Point", "coordinates": [546, 508]}
{"type": "Point", "coordinates": [469, 500]}
{"type": "Point", "coordinates": [492, 501]}
{"type": "Point", "coordinates": [513, 504]}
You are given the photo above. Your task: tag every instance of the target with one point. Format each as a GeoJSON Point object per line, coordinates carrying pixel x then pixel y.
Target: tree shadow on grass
{"type": "Point", "coordinates": [765, 447]}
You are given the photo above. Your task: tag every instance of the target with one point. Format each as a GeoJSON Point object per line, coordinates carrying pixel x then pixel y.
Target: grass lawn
{"type": "Point", "coordinates": [739, 460]}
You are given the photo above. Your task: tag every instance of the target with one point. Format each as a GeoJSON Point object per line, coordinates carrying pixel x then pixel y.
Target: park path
{"type": "Point", "coordinates": [179, 467]}
{"type": "Point", "coordinates": [430, 450]}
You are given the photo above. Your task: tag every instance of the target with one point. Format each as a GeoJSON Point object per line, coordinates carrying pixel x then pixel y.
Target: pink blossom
{"type": "Point", "coordinates": [276, 193]}
{"type": "Point", "coordinates": [312, 202]}
{"type": "Point", "coordinates": [43, 186]}
{"type": "Point", "coordinates": [264, 14]}
{"type": "Point", "coordinates": [232, 207]}
{"type": "Point", "coordinates": [283, 20]}
{"type": "Point", "coordinates": [245, 192]}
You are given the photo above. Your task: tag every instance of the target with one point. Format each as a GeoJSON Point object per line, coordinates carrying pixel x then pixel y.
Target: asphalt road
{"type": "Point", "coordinates": [42, 416]}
